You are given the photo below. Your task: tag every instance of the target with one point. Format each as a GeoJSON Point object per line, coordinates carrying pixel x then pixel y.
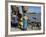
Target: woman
{"type": "Point", "coordinates": [15, 16]}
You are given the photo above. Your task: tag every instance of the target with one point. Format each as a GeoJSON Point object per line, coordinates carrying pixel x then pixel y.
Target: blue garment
{"type": "Point", "coordinates": [25, 24]}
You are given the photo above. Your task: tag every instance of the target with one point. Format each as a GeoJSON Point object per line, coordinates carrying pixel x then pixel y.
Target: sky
{"type": "Point", "coordinates": [20, 9]}
{"type": "Point", "coordinates": [35, 9]}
